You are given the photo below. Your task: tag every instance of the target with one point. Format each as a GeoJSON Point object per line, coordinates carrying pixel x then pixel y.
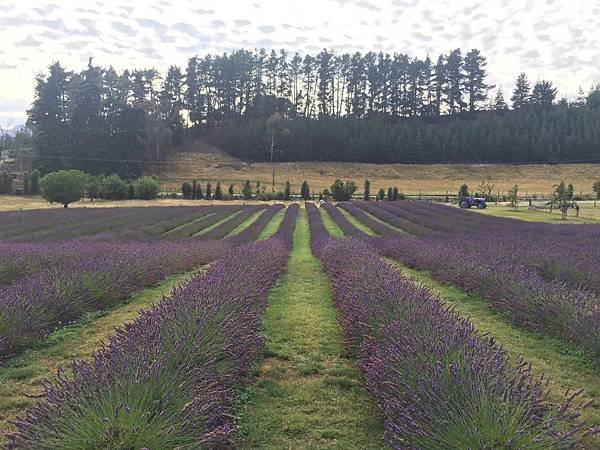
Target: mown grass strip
{"type": "Point", "coordinates": [272, 226]}
{"type": "Point", "coordinates": [565, 366]}
{"type": "Point", "coordinates": [22, 377]}
{"type": "Point", "coordinates": [330, 224]}
{"type": "Point", "coordinates": [308, 395]}
{"type": "Point", "coordinates": [246, 223]}
{"type": "Point", "coordinates": [357, 223]}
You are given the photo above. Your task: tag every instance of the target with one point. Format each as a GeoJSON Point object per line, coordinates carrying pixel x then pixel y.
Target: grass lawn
{"type": "Point", "coordinates": [565, 366]}
{"type": "Point", "coordinates": [307, 394]}
{"type": "Point", "coordinates": [22, 376]}
{"type": "Point", "coordinates": [586, 214]}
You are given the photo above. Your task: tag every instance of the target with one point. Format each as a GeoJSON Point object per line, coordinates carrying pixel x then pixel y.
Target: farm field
{"type": "Point", "coordinates": [287, 326]}
{"type": "Point", "coordinates": [206, 162]}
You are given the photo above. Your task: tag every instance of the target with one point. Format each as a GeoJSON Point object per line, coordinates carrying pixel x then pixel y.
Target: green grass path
{"type": "Point", "coordinates": [565, 366]}
{"type": "Point", "coordinates": [308, 394]}
{"type": "Point", "coordinates": [23, 376]}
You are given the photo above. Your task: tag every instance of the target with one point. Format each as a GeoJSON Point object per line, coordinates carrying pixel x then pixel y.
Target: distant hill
{"type": "Point", "coordinates": [206, 162]}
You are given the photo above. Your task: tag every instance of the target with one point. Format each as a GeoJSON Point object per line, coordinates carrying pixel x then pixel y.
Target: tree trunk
{"type": "Point", "coordinates": [65, 205]}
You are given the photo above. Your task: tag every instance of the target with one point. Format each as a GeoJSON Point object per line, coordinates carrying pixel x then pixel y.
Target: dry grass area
{"type": "Point", "coordinates": [410, 179]}
{"type": "Point", "coordinates": [18, 202]}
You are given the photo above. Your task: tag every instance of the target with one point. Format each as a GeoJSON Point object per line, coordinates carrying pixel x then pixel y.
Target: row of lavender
{"type": "Point", "coordinates": [168, 379]}
{"type": "Point", "coordinates": [25, 258]}
{"type": "Point", "coordinates": [167, 222]}
{"type": "Point", "coordinates": [528, 284]}
{"type": "Point", "coordinates": [437, 382]}
{"type": "Point", "coordinates": [73, 278]}
{"type": "Point", "coordinates": [567, 253]}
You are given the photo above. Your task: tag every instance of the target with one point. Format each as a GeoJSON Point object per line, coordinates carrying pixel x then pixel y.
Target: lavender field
{"type": "Point", "coordinates": [297, 327]}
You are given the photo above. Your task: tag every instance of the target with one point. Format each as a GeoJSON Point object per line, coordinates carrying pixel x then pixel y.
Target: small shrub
{"type": "Point", "coordinates": [186, 190]}
{"type": "Point", "coordinates": [343, 191]}
{"type": "Point", "coordinates": [287, 193]}
{"type": "Point", "coordinates": [147, 188]}
{"type": "Point", "coordinates": [381, 194]}
{"type": "Point", "coordinates": [114, 188]}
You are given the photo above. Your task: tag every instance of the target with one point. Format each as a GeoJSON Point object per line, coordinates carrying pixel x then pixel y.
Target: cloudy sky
{"type": "Point", "coordinates": [547, 39]}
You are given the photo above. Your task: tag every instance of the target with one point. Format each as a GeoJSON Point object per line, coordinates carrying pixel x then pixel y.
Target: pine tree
{"type": "Point", "coordinates": [208, 191]}
{"type": "Point", "coordinates": [367, 190]}
{"type": "Point", "coordinates": [247, 190]}
{"type": "Point", "coordinates": [455, 80]}
{"type": "Point", "coordinates": [287, 193]}
{"type": "Point", "coordinates": [499, 103]}
{"type": "Point", "coordinates": [543, 94]}
{"type": "Point", "coordinates": [520, 97]}
{"type": "Point", "coordinates": [475, 75]}
{"type": "Point", "coordinates": [218, 192]}
{"type": "Point", "coordinates": [305, 191]}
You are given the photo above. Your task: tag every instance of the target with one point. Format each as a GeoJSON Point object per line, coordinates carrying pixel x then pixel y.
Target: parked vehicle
{"type": "Point", "coordinates": [469, 202]}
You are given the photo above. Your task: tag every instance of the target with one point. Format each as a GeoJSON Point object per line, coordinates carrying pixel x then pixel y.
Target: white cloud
{"type": "Point", "coordinates": [548, 40]}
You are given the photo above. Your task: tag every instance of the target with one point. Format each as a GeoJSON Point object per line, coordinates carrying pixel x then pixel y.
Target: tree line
{"type": "Point", "coordinates": [374, 107]}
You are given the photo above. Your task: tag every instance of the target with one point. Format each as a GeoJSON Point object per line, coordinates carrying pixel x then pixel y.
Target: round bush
{"type": "Point", "coordinates": [147, 188]}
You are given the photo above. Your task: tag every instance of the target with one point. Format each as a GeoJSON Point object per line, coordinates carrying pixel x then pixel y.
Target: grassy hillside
{"type": "Point", "coordinates": [206, 162]}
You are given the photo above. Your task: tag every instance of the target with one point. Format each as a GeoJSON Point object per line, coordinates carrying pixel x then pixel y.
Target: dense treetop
{"type": "Point", "coordinates": [374, 107]}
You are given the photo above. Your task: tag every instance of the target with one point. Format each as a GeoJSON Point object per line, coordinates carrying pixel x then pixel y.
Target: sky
{"type": "Point", "coordinates": [547, 39]}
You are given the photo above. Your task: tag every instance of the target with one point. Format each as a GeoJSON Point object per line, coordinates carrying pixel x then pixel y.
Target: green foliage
{"type": "Point", "coordinates": [343, 191]}
{"type": "Point", "coordinates": [596, 189]}
{"type": "Point", "coordinates": [486, 190]}
{"type": "Point", "coordinates": [186, 190]}
{"type": "Point", "coordinates": [26, 183]}
{"type": "Point", "coordinates": [130, 191]}
{"type": "Point", "coordinates": [247, 190]}
{"type": "Point", "coordinates": [6, 186]}
{"type": "Point", "coordinates": [34, 182]}
{"type": "Point", "coordinates": [208, 192]}
{"type": "Point", "coordinates": [381, 194]}
{"type": "Point", "coordinates": [305, 191]}
{"type": "Point", "coordinates": [93, 187]}
{"type": "Point", "coordinates": [513, 196]}
{"type": "Point", "coordinates": [230, 191]}
{"type": "Point", "coordinates": [395, 193]}
{"type": "Point", "coordinates": [114, 188]}
{"type": "Point", "coordinates": [562, 198]}
{"type": "Point", "coordinates": [463, 191]}
{"type": "Point", "coordinates": [367, 190]}
{"type": "Point", "coordinates": [146, 188]}
{"type": "Point", "coordinates": [63, 186]}
{"type": "Point", "coordinates": [390, 194]}
{"type": "Point", "coordinates": [287, 193]}
{"type": "Point", "coordinates": [218, 192]}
